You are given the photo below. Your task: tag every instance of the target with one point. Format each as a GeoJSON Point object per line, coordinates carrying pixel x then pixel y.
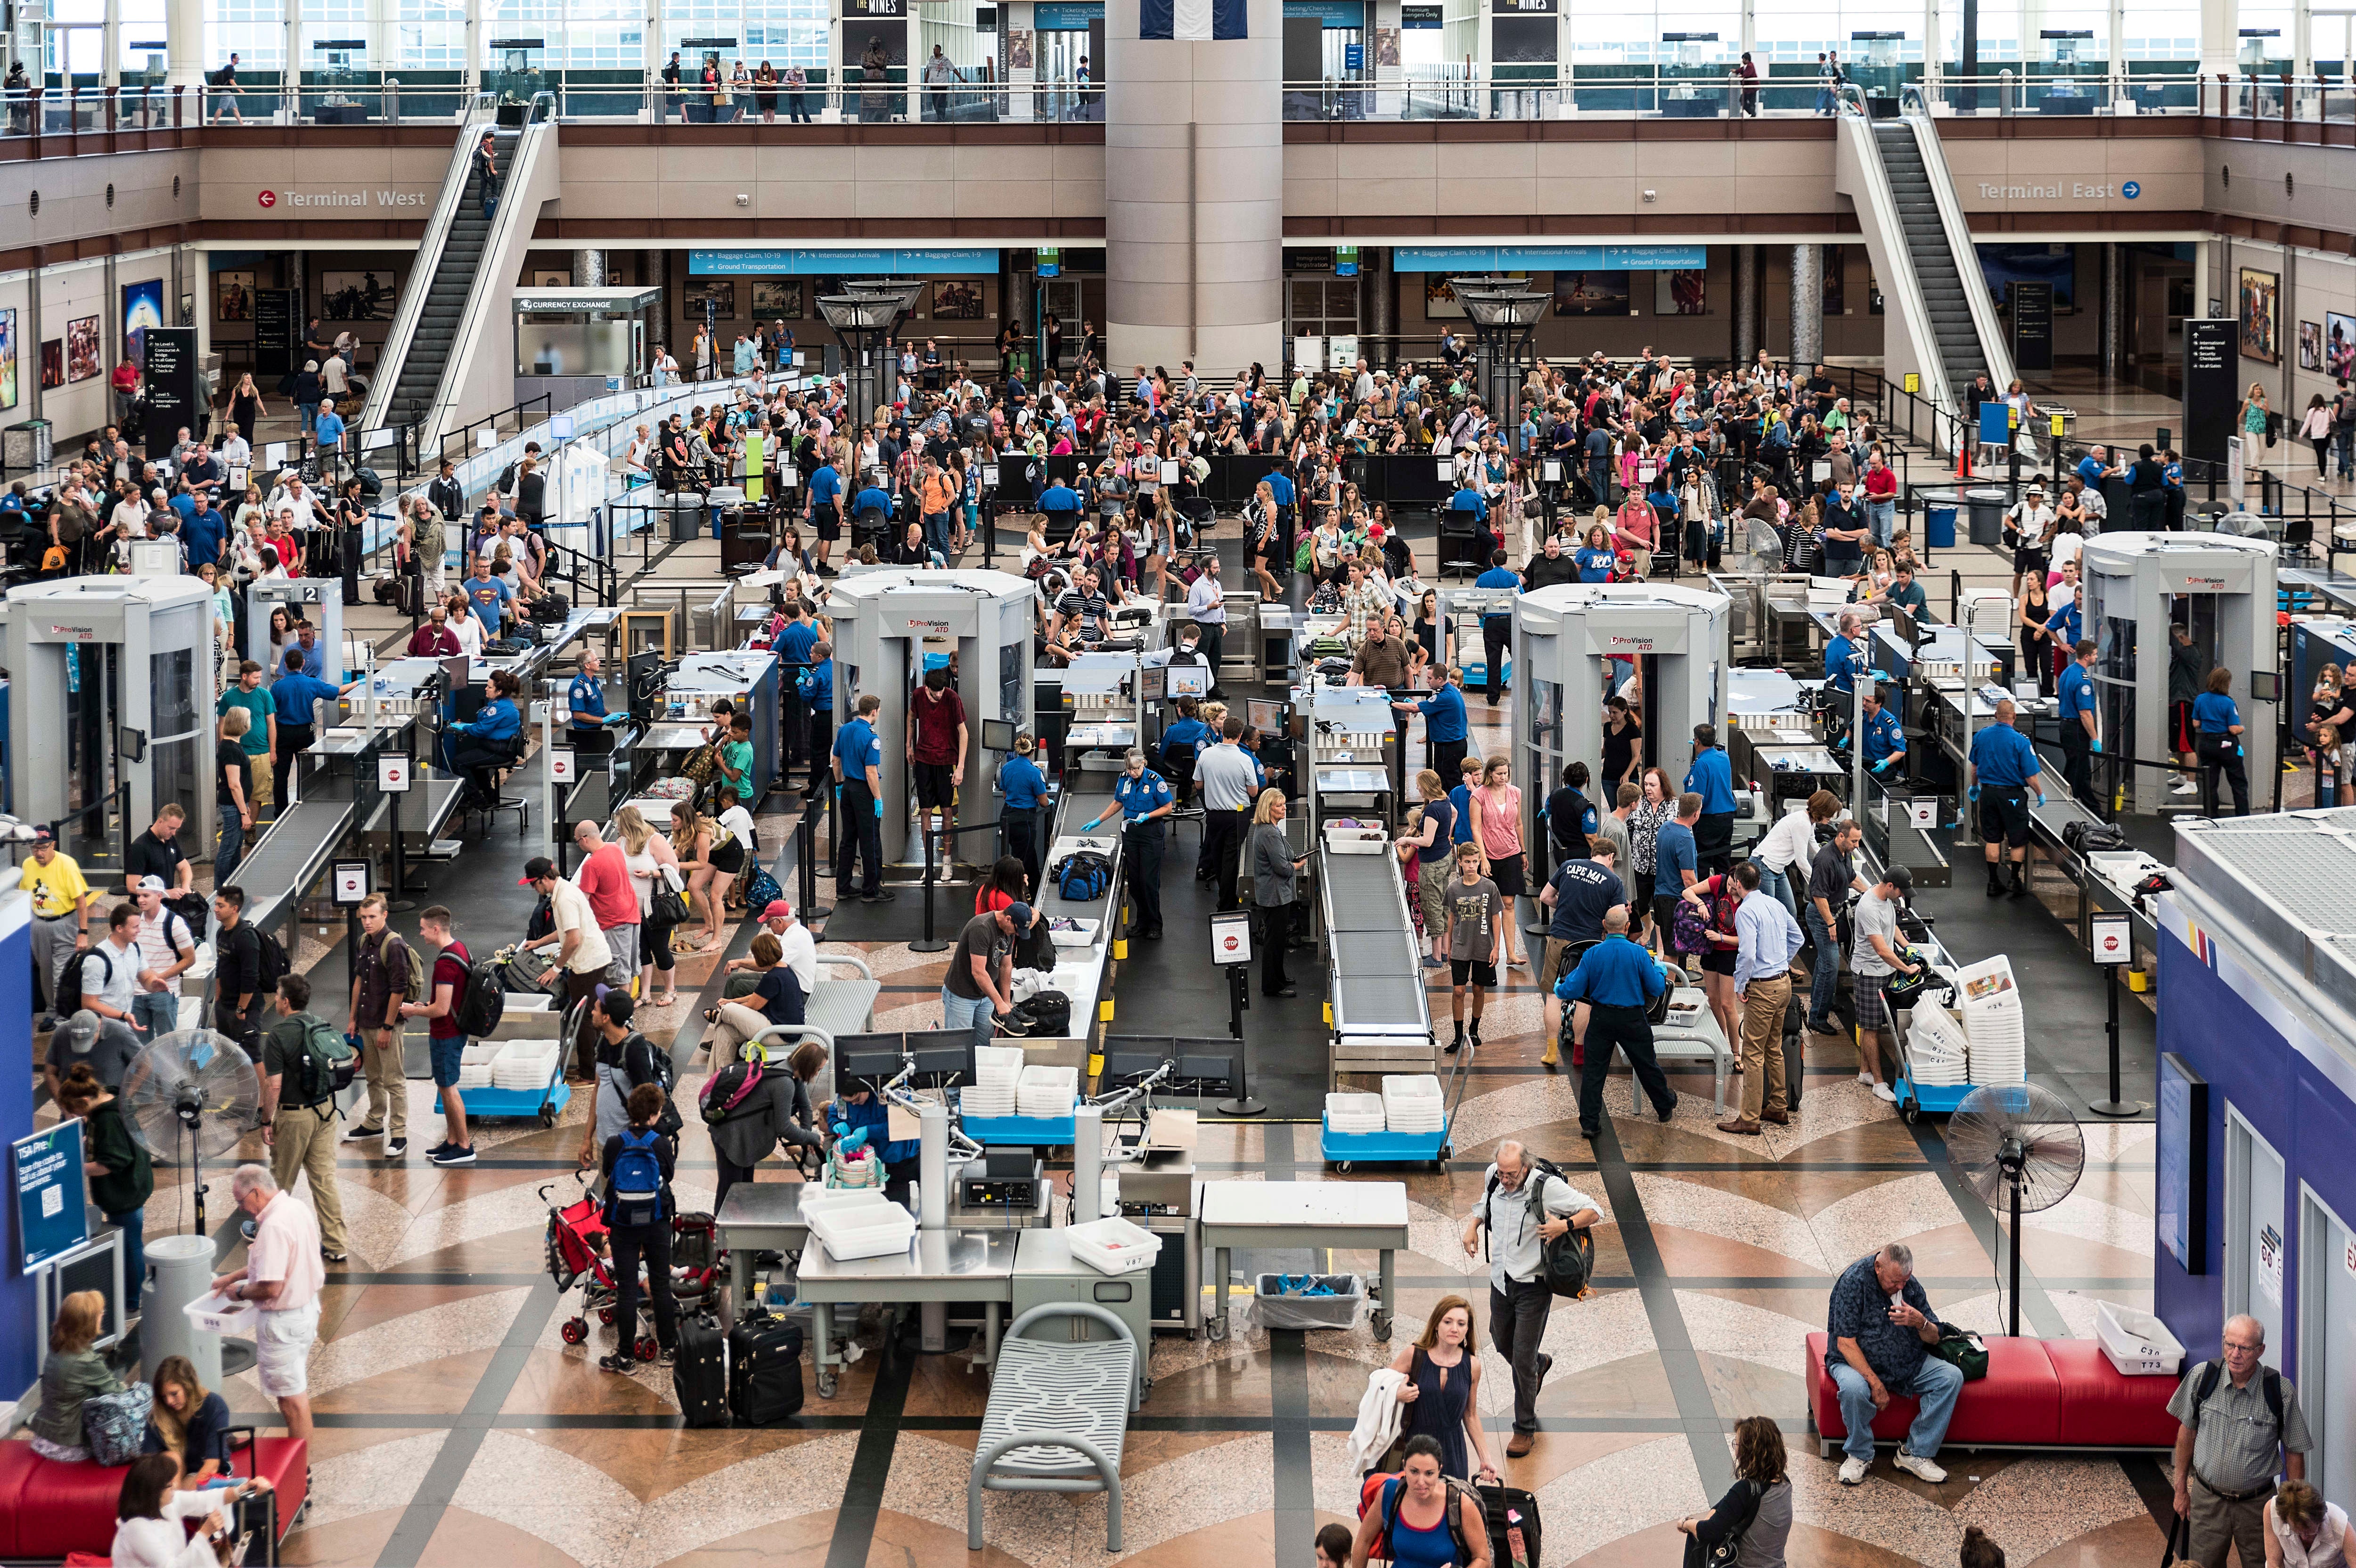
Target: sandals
{"type": "Point", "coordinates": [711, 1015]}
{"type": "Point", "coordinates": [667, 999]}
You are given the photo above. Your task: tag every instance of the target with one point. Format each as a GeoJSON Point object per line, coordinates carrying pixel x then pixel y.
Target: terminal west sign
{"type": "Point", "coordinates": [377, 199]}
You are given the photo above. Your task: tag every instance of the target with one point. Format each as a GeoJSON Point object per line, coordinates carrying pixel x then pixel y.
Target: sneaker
{"type": "Point", "coordinates": [437, 1149]}
{"type": "Point", "coordinates": [363, 1131]}
{"type": "Point", "coordinates": [880, 896]}
{"type": "Point", "coordinates": [449, 1155]}
{"type": "Point", "coordinates": [396, 1148]}
{"type": "Point", "coordinates": [1453, 1046]}
{"type": "Point", "coordinates": [1884, 1092]}
{"type": "Point", "coordinates": [1431, 962]}
{"type": "Point", "coordinates": [1545, 1365]}
{"type": "Point", "coordinates": [1852, 1471]}
{"type": "Point", "coordinates": [666, 1354]}
{"type": "Point", "coordinates": [1920, 1469]}
{"type": "Point", "coordinates": [1865, 1077]}
{"type": "Point", "coordinates": [619, 1361]}
{"type": "Point", "coordinates": [334, 1257]}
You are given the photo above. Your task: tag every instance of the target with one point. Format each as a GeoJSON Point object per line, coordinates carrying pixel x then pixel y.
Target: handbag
{"type": "Point", "coordinates": [1730, 1545]}
{"type": "Point", "coordinates": [115, 1425]}
{"type": "Point", "coordinates": [668, 905]}
{"type": "Point", "coordinates": [1966, 1352]}
{"type": "Point", "coordinates": [701, 765]}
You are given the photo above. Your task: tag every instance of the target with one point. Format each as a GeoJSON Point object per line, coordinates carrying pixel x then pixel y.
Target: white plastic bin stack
{"type": "Point", "coordinates": [1412, 1104]}
{"type": "Point", "coordinates": [2137, 1343]}
{"type": "Point", "coordinates": [1993, 1022]}
{"type": "Point", "coordinates": [1937, 1050]}
{"type": "Point", "coordinates": [997, 1069]}
{"type": "Point", "coordinates": [525, 1064]}
{"type": "Point", "coordinates": [1047, 1092]}
{"type": "Point", "coordinates": [858, 1222]}
{"type": "Point", "coordinates": [475, 1065]}
{"type": "Point", "coordinates": [1354, 1113]}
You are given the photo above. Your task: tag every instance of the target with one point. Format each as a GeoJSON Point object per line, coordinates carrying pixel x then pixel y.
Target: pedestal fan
{"type": "Point", "coordinates": [191, 1096]}
{"type": "Point", "coordinates": [2018, 1148]}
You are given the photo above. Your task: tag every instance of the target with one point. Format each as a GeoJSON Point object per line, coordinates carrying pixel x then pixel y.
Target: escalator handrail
{"type": "Point", "coordinates": [1994, 348]}
{"type": "Point", "coordinates": [1906, 283]}
{"type": "Point", "coordinates": [537, 128]}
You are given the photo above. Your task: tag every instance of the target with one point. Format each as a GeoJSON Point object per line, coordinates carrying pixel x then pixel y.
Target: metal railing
{"type": "Point", "coordinates": [1575, 92]}
{"type": "Point", "coordinates": [50, 121]}
{"type": "Point", "coordinates": [459, 440]}
{"type": "Point", "coordinates": [2280, 98]}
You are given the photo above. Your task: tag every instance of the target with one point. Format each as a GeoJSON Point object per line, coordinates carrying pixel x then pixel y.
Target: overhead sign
{"type": "Point", "coordinates": [52, 1220]}
{"type": "Point", "coordinates": [915, 263]}
{"type": "Point", "coordinates": [2114, 945]}
{"type": "Point", "coordinates": [1421, 18]}
{"type": "Point", "coordinates": [1551, 258]}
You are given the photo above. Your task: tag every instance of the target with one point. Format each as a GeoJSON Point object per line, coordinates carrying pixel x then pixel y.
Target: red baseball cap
{"type": "Point", "coordinates": [778, 910]}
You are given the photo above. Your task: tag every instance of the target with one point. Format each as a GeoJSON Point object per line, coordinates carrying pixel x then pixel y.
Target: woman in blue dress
{"type": "Point", "coordinates": [1443, 1397]}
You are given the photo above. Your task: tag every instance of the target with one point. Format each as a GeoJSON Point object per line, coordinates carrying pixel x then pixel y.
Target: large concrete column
{"type": "Point", "coordinates": [588, 269]}
{"type": "Point", "coordinates": [184, 44]}
{"type": "Point", "coordinates": [655, 276]}
{"type": "Point", "coordinates": [1746, 304]}
{"type": "Point", "coordinates": [1194, 196]}
{"type": "Point", "coordinates": [2114, 312]}
{"type": "Point", "coordinates": [1807, 304]}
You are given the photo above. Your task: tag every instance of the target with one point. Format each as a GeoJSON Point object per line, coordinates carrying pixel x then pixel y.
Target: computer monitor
{"type": "Point", "coordinates": [1264, 714]}
{"type": "Point", "coordinates": [997, 735]}
{"type": "Point", "coordinates": [868, 1060]}
{"type": "Point", "coordinates": [1152, 683]}
{"type": "Point", "coordinates": [943, 1057]}
{"type": "Point", "coordinates": [1210, 1065]}
{"type": "Point", "coordinates": [1130, 1059]}
{"type": "Point", "coordinates": [1188, 680]}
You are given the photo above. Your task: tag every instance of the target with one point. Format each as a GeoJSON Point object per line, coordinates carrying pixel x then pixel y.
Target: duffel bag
{"type": "Point", "coordinates": [1044, 1013]}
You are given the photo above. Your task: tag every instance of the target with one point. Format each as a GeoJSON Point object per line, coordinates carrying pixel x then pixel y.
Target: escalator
{"type": "Point", "coordinates": [1941, 322]}
{"type": "Point", "coordinates": [457, 261]}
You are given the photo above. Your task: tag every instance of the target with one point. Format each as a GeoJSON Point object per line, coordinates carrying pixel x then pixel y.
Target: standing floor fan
{"type": "Point", "coordinates": [2018, 1148]}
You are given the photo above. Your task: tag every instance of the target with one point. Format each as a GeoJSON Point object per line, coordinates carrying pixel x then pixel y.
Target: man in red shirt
{"type": "Point", "coordinates": [604, 880]}
{"type": "Point", "coordinates": [1881, 497]}
{"type": "Point", "coordinates": [936, 742]}
{"type": "Point", "coordinates": [447, 1041]}
{"type": "Point", "coordinates": [126, 388]}
{"type": "Point", "coordinates": [434, 639]}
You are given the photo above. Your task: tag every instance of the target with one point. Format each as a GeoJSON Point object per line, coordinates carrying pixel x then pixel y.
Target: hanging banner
{"type": "Point", "coordinates": [841, 263]}
{"type": "Point", "coordinates": [1551, 258]}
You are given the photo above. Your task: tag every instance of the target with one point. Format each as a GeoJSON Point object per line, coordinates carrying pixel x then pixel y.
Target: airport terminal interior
{"type": "Point", "coordinates": [817, 781]}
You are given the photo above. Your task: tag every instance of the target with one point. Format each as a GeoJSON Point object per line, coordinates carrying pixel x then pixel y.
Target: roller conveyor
{"type": "Point", "coordinates": [1374, 972]}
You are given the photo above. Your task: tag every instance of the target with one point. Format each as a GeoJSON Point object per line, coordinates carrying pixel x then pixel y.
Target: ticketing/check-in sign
{"type": "Point", "coordinates": [393, 774]}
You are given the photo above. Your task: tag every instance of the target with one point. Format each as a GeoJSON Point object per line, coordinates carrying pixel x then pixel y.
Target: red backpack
{"type": "Point", "coordinates": [1379, 1490]}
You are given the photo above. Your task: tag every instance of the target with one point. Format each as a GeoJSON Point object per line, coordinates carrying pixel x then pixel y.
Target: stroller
{"type": "Point", "coordinates": [577, 1249]}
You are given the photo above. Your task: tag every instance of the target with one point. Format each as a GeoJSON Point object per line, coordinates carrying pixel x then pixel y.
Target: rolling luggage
{"type": "Point", "coordinates": [765, 1372]}
{"type": "Point", "coordinates": [1511, 1516]}
{"type": "Point", "coordinates": [698, 1375]}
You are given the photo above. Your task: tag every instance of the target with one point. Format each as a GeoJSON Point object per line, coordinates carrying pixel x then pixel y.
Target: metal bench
{"type": "Point", "coordinates": [1057, 1416]}
{"type": "Point", "coordinates": [835, 1008]}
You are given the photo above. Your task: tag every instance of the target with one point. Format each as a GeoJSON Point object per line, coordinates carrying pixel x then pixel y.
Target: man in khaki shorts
{"type": "Point", "coordinates": [281, 1276]}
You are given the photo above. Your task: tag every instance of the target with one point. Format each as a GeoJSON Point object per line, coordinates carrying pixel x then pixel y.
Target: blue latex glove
{"type": "Point", "coordinates": [879, 811]}
{"type": "Point", "coordinates": [1973, 793]}
{"type": "Point", "coordinates": [2098, 742]}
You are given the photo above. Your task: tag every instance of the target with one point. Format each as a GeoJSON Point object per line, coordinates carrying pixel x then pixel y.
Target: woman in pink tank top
{"type": "Point", "coordinates": [1497, 828]}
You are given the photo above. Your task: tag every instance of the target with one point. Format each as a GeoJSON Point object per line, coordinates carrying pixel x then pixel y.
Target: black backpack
{"type": "Point", "coordinates": [666, 1073]}
{"type": "Point", "coordinates": [2269, 1384]}
{"type": "Point", "coordinates": [274, 962]}
{"type": "Point", "coordinates": [482, 1002]}
{"type": "Point", "coordinates": [1567, 1260]}
{"type": "Point", "coordinates": [70, 986]}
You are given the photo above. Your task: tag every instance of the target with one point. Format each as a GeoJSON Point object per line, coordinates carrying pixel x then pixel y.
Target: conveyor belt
{"type": "Point", "coordinates": [294, 852]}
{"type": "Point", "coordinates": [1373, 974]}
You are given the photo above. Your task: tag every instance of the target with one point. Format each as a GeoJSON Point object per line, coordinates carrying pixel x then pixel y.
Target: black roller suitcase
{"type": "Point", "coordinates": [1511, 1516]}
{"type": "Point", "coordinates": [698, 1375]}
{"type": "Point", "coordinates": [765, 1370]}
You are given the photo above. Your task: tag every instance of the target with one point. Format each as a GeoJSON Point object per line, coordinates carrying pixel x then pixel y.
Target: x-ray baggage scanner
{"type": "Point", "coordinates": [889, 629]}
{"type": "Point", "coordinates": [111, 685]}
{"type": "Point", "coordinates": [2220, 588]}
{"type": "Point", "coordinates": [1577, 644]}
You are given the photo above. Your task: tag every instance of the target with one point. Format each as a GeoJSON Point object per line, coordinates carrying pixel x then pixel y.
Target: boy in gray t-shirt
{"type": "Point", "coordinates": [1874, 956]}
{"type": "Point", "coordinates": [1476, 915]}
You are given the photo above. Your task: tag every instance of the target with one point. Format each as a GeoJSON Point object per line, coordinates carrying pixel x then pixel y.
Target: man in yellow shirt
{"type": "Point", "coordinates": [61, 914]}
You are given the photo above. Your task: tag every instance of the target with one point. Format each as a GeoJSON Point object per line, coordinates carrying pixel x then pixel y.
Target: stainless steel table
{"type": "Point", "coordinates": [758, 1216]}
{"type": "Point", "coordinates": [939, 1265]}
{"type": "Point", "coordinates": [1275, 1215]}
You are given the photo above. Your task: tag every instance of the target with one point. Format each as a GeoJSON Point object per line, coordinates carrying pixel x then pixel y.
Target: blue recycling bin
{"type": "Point", "coordinates": [1939, 509]}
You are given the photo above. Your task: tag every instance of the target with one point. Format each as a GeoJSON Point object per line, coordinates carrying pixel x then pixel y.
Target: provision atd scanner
{"type": "Point", "coordinates": [1576, 644]}
{"type": "Point", "coordinates": [2221, 588]}
{"type": "Point", "coordinates": [112, 685]}
{"type": "Point", "coordinates": [318, 600]}
{"type": "Point", "coordinates": [889, 626]}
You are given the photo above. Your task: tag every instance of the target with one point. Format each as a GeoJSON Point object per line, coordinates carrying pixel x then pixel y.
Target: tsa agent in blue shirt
{"type": "Point", "coordinates": [1845, 656]}
{"type": "Point", "coordinates": [1496, 622]}
{"type": "Point", "coordinates": [2219, 723]}
{"type": "Point", "coordinates": [2004, 769]}
{"type": "Point", "coordinates": [1144, 800]}
{"type": "Point", "coordinates": [1468, 499]}
{"type": "Point", "coordinates": [872, 497]}
{"type": "Point", "coordinates": [1884, 738]}
{"type": "Point", "coordinates": [1444, 730]}
{"type": "Point", "coordinates": [858, 759]}
{"type": "Point", "coordinates": [2066, 625]}
{"type": "Point", "coordinates": [1025, 788]}
{"type": "Point", "coordinates": [825, 509]}
{"type": "Point", "coordinates": [792, 648]}
{"type": "Point", "coordinates": [2080, 740]}
{"type": "Point", "coordinates": [1061, 497]}
{"type": "Point", "coordinates": [489, 736]}
{"type": "Point", "coordinates": [1615, 981]}
{"type": "Point", "coordinates": [295, 695]}
{"type": "Point", "coordinates": [815, 687]}
{"type": "Point", "coordinates": [1711, 776]}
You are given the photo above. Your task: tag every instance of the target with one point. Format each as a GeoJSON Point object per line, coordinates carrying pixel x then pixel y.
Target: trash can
{"type": "Point", "coordinates": [1939, 509]}
{"type": "Point", "coordinates": [723, 499]}
{"type": "Point", "coordinates": [179, 1270]}
{"type": "Point", "coordinates": [1987, 516]}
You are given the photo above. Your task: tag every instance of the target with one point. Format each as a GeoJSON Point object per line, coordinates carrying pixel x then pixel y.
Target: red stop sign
{"type": "Point", "coordinates": [268, 199]}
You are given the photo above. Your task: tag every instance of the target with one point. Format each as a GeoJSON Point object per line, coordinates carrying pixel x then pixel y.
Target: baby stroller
{"type": "Point", "coordinates": [577, 1249]}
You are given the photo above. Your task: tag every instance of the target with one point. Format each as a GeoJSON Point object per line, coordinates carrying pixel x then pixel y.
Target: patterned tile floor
{"type": "Point", "coordinates": [456, 1427]}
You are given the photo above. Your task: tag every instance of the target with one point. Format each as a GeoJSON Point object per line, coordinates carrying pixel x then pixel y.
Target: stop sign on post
{"type": "Point", "coordinates": [393, 774]}
{"type": "Point", "coordinates": [2114, 948]}
{"type": "Point", "coordinates": [1231, 938]}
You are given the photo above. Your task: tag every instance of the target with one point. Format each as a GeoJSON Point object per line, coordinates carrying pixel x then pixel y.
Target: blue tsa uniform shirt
{"type": "Point", "coordinates": [587, 698]}
{"type": "Point", "coordinates": [1141, 796]}
{"type": "Point", "coordinates": [1885, 739]}
{"type": "Point", "coordinates": [1843, 662]}
{"type": "Point", "coordinates": [859, 750]}
{"type": "Point", "coordinates": [2077, 695]}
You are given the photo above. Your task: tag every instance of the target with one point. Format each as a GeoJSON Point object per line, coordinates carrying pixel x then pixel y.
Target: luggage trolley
{"type": "Point", "coordinates": [1924, 1084]}
{"type": "Point", "coordinates": [1344, 1150]}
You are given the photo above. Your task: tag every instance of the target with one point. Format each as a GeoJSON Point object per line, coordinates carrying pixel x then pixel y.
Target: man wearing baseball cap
{"type": "Point", "coordinates": [1873, 959]}
{"type": "Point", "coordinates": [580, 948]}
{"type": "Point", "coordinates": [61, 914]}
{"type": "Point", "coordinates": [104, 1045]}
{"type": "Point", "coordinates": [799, 947]}
{"type": "Point", "coordinates": [167, 948]}
{"type": "Point", "coordinates": [975, 993]}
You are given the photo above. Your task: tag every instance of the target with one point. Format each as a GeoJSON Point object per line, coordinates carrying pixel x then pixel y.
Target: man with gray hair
{"type": "Point", "coordinates": [1882, 1330]}
{"type": "Point", "coordinates": [1524, 1204]}
{"type": "Point", "coordinates": [282, 1274]}
{"type": "Point", "coordinates": [2235, 1418]}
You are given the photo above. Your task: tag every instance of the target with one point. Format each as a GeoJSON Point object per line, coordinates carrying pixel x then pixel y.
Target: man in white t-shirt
{"type": "Point", "coordinates": [800, 948]}
{"type": "Point", "coordinates": [582, 950]}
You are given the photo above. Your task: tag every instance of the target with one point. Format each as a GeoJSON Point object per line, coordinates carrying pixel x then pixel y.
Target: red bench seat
{"type": "Point", "coordinates": [48, 1509]}
{"type": "Point", "coordinates": [2039, 1393]}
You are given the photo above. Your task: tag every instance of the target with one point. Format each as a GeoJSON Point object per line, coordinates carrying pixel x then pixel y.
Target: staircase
{"type": "Point", "coordinates": [418, 376]}
{"type": "Point", "coordinates": [1961, 354]}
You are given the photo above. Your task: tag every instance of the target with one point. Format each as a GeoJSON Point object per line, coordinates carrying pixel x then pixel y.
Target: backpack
{"type": "Point", "coordinates": [1083, 876]}
{"type": "Point", "coordinates": [115, 1425]}
{"type": "Point", "coordinates": [273, 964]}
{"type": "Point", "coordinates": [482, 1001]}
{"type": "Point", "coordinates": [412, 987]}
{"type": "Point", "coordinates": [1570, 1258]}
{"type": "Point", "coordinates": [634, 1196]}
{"type": "Point", "coordinates": [2270, 1383]}
{"type": "Point", "coordinates": [1686, 934]}
{"type": "Point", "coordinates": [728, 1088]}
{"type": "Point", "coordinates": [1387, 1490]}
{"type": "Point", "coordinates": [327, 1062]}
{"type": "Point", "coordinates": [70, 986]}
{"type": "Point", "coordinates": [666, 1073]}
{"type": "Point", "coordinates": [761, 890]}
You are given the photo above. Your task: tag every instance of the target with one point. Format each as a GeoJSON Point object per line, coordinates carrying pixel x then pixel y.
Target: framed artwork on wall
{"type": "Point", "coordinates": [2259, 311]}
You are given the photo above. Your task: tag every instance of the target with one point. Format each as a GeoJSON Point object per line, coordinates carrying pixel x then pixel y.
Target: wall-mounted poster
{"type": "Point", "coordinates": [1685, 292]}
{"type": "Point", "coordinates": [956, 300]}
{"type": "Point", "coordinates": [1439, 300]}
{"type": "Point", "coordinates": [357, 296]}
{"type": "Point", "coordinates": [1018, 49]}
{"type": "Point", "coordinates": [1836, 282]}
{"type": "Point", "coordinates": [7, 358]}
{"type": "Point", "coordinates": [2338, 346]}
{"type": "Point", "coordinates": [53, 364]}
{"type": "Point", "coordinates": [2311, 345]}
{"type": "Point", "coordinates": [2029, 263]}
{"type": "Point", "coordinates": [1386, 47]}
{"type": "Point", "coordinates": [143, 309]}
{"type": "Point", "coordinates": [81, 348]}
{"type": "Point", "coordinates": [694, 294]}
{"type": "Point", "coordinates": [233, 296]}
{"type": "Point", "coordinates": [2259, 311]}
{"type": "Point", "coordinates": [777, 299]}
{"type": "Point", "coordinates": [1591, 294]}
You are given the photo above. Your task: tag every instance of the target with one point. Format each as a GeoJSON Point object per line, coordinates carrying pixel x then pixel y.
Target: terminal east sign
{"type": "Point", "coordinates": [2054, 190]}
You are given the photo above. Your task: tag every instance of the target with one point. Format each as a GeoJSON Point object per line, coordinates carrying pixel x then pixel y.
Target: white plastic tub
{"type": "Point", "coordinates": [1354, 840]}
{"type": "Point", "coordinates": [863, 1231]}
{"type": "Point", "coordinates": [2137, 1343]}
{"type": "Point", "coordinates": [216, 1314]}
{"type": "Point", "coordinates": [1987, 984]}
{"type": "Point", "coordinates": [1114, 1245]}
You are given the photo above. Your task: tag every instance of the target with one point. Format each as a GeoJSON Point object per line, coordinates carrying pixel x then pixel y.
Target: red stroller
{"type": "Point", "coordinates": [577, 1249]}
